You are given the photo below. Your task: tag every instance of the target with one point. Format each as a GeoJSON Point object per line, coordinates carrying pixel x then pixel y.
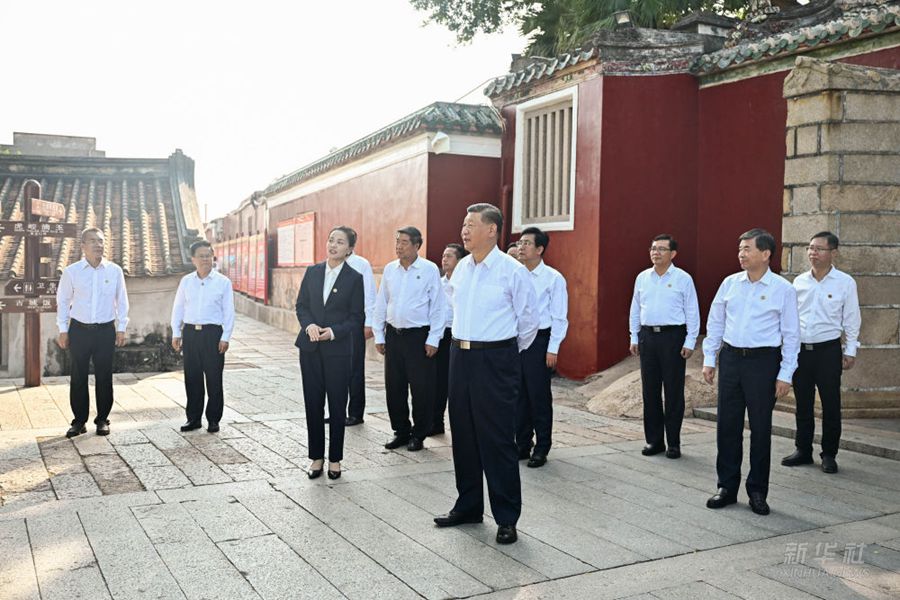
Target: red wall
{"type": "Point", "coordinates": [375, 205]}
{"type": "Point", "coordinates": [648, 172]}
{"type": "Point", "coordinates": [454, 183]}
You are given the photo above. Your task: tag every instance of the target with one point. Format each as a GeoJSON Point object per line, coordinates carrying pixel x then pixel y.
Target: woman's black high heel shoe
{"type": "Point", "coordinates": [315, 473]}
{"type": "Point", "coordinates": [334, 474]}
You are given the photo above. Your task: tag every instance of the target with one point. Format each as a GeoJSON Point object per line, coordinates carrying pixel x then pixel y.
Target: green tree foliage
{"type": "Point", "coordinates": [556, 26]}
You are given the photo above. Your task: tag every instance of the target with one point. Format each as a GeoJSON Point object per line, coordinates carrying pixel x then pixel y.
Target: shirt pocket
{"type": "Point", "coordinates": [833, 304]}
{"type": "Point", "coordinates": [107, 288]}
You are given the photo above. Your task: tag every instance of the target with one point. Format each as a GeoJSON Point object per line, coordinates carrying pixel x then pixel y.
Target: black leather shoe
{"type": "Point", "coordinates": [212, 427]}
{"type": "Point", "coordinates": [829, 465]}
{"type": "Point", "coordinates": [758, 503]}
{"type": "Point", "coordinates": [191, 425]}
{"type": "Point", "coordinates": [351, 421]}
{"type": "Point", "coordinates": [76, 429]}
{"type": "Point", "coordinates": [673, 452]}
{"type": "Point", "coordinates": [721, 499]}
{"type": "Point", "coordinates": [436, 430]}
{"type": "Point", "coordinates": [314, 473]}
{"type": "Point", "coordinates": [506, 534]}
{"type": "Point", "coordinates": [537, 460]}
{"type": "Point", "coordinates": [651, 449]}
{"type": "Point", "coordinates": [524, 453]}
{"type": "Point", "coordinates": [398, 442]}
{"type": "Point", "coordinates": [414, 445]}
{"type": "Point", "coordinates": [334, 474]}
{"type": "Point", "coordinates": [452, 519]}
{"type": "Point", "coordinates": [796, 459]}
{"type": "Point", "coordinates": [103, 428]}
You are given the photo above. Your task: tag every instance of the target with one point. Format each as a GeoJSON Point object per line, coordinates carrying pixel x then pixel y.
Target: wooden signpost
{"type": "Point", "coordinates": [25, 295]}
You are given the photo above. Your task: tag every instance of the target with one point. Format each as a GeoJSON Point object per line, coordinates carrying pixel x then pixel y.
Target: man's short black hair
{"type": "Point", "coordinates": [489, 214]}
{"type": "Point", "coordinates": [348, 231]}
{"type": "Point", "coordinates": [541, 239]}
{"type": "Point", "coordinates": [460, 250]}
{"type": "Point", "coordinates": [512, 245]}
{"type": "Point", "coordinates": [764, 239]}
{"type": "Point", "coordinates": [415, 236]}
{"type": "Point", "coordinates": [200, 244]}
{"type": "Point", "coordinates": [829, 237]}
{"type": "Point", "coordinates": [673, 245]}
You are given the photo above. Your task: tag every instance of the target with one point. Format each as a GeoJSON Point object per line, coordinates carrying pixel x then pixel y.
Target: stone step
{"type": "Point", "coordinates": [876, 441]}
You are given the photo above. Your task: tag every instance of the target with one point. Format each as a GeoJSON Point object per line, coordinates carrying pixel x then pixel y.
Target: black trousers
{"type": "Point", "coordinates": [484, 389]}
{"type": "Point", "coordinates": [407, 370]}
{"type": "Point", "coordinates": [534, 413]}
{"type": "Point", "coordinates": [88, 343]}
{"type": "Point", "coordinates": [442, 379]}
{"type": "Point", "coordinates": [746, 384]}
{"type": "Point", "coordinates": [662, 370]}
{"type": "Point", "coordinates": [203, 361]}
{"type": "Point", "coordinates": [357, 406]}
{"type": "Point", "coordinates": [819, 368]}
{"type": "Point", "coordinates": [325, 376]}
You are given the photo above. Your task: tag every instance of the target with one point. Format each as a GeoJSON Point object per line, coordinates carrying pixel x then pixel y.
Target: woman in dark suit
{"type": "Point", "coordinates": [330, 306]}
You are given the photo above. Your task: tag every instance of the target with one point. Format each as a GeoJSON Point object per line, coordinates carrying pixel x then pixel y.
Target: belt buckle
{"type": "Point", "coordinates": [809, 347]}
{"type": "Point", "coordinates": [198, 327]}
{"type": "Point", "coordinates": [657, 329]}
{"type": "Point", "coordinates": [465, 345]}
{"type": "Point", "coordinates": [745, 352]}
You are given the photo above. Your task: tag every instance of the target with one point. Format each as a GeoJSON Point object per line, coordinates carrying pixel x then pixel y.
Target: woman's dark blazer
{"type": "Point", "coordinates": [344, 312]}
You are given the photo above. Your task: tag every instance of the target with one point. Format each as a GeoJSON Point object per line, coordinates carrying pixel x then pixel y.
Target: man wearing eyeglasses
{"type": "Point", "coordinates": [829, 307]}
{"type": "Point", "coordinates": [664, 323]}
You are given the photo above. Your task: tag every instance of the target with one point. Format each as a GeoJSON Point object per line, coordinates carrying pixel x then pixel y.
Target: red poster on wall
{"type": "Point", "coordinates": [262, 279]}
{"type": "Point", "coordinates": [245, 264]}
{"type": "Point", "coordinates": [238, 265]}
{"type": "Point", "coordinates": [231, 261]}
{"type": "Point", "coordinates": [251, 266]}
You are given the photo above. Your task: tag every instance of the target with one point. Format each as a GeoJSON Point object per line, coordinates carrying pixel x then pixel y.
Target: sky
{"type": "Point", "coordinates": [249, 90]}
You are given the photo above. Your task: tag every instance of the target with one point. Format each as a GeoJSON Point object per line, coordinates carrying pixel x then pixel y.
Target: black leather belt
{"type": "Point", "coordinates": [820, 345]}
{"type": "Point", "coordinates": [467, 345]}
{"type": "Point", "coordinates": [407, 330]}
{"type": "Point", "coordinates": [751, 351]}
{"type": "Point", "coordinates": [93, 325]}
{"type": "Point", "coordinates": [660, 328]}
{"type": "Point", "coordinates": [201, 327]}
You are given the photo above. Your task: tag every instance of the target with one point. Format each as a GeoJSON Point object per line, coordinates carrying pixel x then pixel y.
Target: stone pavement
{"type": "Point", "coordinates": [150, 512]}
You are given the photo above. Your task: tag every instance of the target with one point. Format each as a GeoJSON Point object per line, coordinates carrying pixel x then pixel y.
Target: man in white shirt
{"type": "Point", "coordinates": [494, 318]}
{"type": "Point", "coordinates": [453, 253]}
{"type": "Point", "coordinates": [92, 314]}
{"type": "Point", "coordinates": [202, 323]}
{"type": "Point", "coordinates": [535, 409]}
{"type": "Point", "coordinates": [408, 325]}
{"type": "Point", "coordinates": [356, 408]}
{"type": "Point", "coordinates": [829, 307]}
{"type": "Point", "coordinates": [753, 320]}
{"type": "Point", "coordinates": [664, 323]}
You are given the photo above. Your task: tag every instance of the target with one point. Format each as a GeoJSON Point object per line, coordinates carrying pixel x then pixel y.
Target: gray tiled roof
{"type": "Point", "coordinates": [137, 202]}
{"type": "Point", "coordinates": [871, 19]}
{"type": "Point", "coordinates": [448, 117]}
{"type": "Point", "coordinates": [538, 68]}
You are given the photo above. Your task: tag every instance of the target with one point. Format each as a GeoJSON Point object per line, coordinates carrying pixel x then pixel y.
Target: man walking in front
{"type": "Point", "coordinates": [202, 322]}
{"type": "Point", "coordinates": [408, 325]}
{"type": "Point", "coordinates": [664, 323]}
{"type": "Point", "coordinates": [535, 409]}
{"type": "Point", "coordinates": [92, 314]}
{"type": "Point", "coordinates": [753, 320]}
{"type": "Point", "coordinates": [829, 307]}
{"type": "Point", "coordinates": [494, 318]}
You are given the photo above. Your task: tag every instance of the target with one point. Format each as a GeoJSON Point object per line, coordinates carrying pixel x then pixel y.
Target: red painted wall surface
{"type": "Point", "coordinates": [455, 182]}
{"type": "Point", "coordinates": [375, 205]}
{"type": "Point", "coordinates": [648, 185]}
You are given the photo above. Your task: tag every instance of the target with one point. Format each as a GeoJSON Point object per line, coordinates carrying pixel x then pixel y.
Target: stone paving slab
{"type": "Point", "coordinates": [151, 512]}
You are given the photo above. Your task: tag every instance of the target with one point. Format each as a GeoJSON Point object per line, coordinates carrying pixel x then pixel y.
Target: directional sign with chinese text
{"type": "Point", "coordinates": [45, 208]}
{"type": "Point", "coordinates": [38, 229]}
{"type": "Point", "coordinates": [41, 287]}
{"type": "Point", "coordinates": [27, 305]}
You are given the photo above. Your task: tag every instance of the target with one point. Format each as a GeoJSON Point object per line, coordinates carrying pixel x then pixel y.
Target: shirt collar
{"type": "Point", "coordinates": [766, 279]}
{"type": "Point", "coordinates": [539, 269]}
{"type": "Point", "coordinates": [335, 270]}
{"type": "Point", "coordinates": [85, 264]}
{"type": "Point", "coordinates": [670, 270]}
{"type": "Point", "coordinates": [493, 256]}
{"type": "Point", "coordinates": [413, 265]}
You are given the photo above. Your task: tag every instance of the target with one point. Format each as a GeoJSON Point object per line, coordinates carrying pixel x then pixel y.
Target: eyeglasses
{"type": "Point", "coordinates": [524, 243]}
{"type": "Point", "coordinates": [817, 249]}
{"type": "Point", "coordinates": [659, 249]}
